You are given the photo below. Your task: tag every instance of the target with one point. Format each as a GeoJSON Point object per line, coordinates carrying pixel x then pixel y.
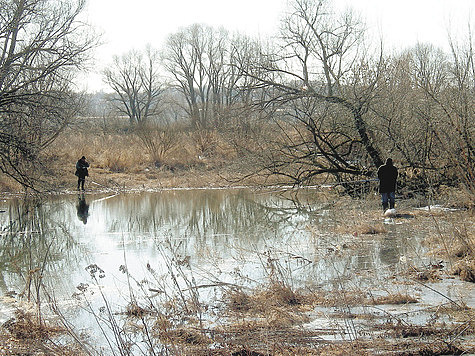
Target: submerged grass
{"type": "Point", "coordinates": [453, 239]}
{"type": "Point", "coordinates": [396, 298]}
{"type": "Point", "coordinates": [26, 327]}
{"type": "Point", "coordinates": [24, 334]}
{"type": "Point", "coordinates": [465, 269]}
{"type": "Point", "coordinates": [272, 321]}
{"type": "Point", "coordinates": [275, 318]}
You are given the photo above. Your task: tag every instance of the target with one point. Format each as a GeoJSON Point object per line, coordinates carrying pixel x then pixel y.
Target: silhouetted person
{"type": "Point", "coordinates": [83, 208]}
{"type": "Point", "coordinates": [387, 175]}
{"type": "Point", "coordinates": [81, 171]}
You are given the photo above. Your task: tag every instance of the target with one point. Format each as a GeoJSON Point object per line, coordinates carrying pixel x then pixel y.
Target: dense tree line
{"type": "Point", "coordinates": [315, 102]}
{"type": "Point", "coordinates": [330, 104]}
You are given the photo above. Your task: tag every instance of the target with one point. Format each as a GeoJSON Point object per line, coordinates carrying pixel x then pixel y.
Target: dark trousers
{"type": "Point", "coordinates": [388, 197]}
{"type": "Point", "coordinates": [81, 182]}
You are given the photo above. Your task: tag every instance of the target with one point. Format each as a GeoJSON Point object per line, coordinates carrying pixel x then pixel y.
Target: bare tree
{"type": "Point", "coordinates": [135, 80]}
{"type": "Point", "coordinates": [446, 84]}
{"type": "Point", "coordinates": [459, 110]}
{"type": "Point", "coordinates": [182, 57]}
{"type": "Point", "coordinates": [401, 129]}
{"type": "Point", "coordinates": [201, 61]}
{"type": "Point", "coordinates": [319, 88]}
{"type": "Point", "coordinates": [424, 114]}
{"type": "Point", "coordinates": [42, 45]}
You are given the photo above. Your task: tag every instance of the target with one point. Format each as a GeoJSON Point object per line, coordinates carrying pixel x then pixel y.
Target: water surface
{"type": "Point", "coordinates": [180, 239]}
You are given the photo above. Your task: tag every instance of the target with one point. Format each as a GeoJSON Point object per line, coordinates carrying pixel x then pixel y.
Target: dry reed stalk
{"type": "Point", "coordinates": [394, 299]}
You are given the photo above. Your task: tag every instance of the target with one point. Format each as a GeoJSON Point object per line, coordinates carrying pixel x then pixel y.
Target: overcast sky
{"type": "Point", "coordinates": [126, 24]}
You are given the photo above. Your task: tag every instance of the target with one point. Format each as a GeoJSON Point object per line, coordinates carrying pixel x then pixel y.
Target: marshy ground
{"type": "Point", "coordinates": [351, 282]}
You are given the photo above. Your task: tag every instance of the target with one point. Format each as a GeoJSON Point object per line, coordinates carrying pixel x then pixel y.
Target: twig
{"type": "Point", "coordinates": [439, 293]}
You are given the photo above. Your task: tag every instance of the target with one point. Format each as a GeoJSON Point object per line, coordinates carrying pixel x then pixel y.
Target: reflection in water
{"type": "Point", "coordinates": [36, 249]}
{"type": "Point", "coordinates": [82, 208]}
{"type": "Point", "coordinates": [216, 235]}
{"type": "Point", "coordinates": [216, 230]}
{"type": "Point", "coordinates": [389, 251]}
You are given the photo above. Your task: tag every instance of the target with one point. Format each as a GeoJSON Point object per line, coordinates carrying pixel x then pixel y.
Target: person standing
{"type": "Point", "coordinates": [81, 171]}
{"type": "Point", "coordinates": [387, 175]}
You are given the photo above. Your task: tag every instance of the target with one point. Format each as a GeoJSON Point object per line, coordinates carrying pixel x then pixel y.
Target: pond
{"type": "Point", "coordinates": [91, 250]}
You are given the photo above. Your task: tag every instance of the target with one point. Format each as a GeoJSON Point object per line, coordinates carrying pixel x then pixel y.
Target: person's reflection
{"type": "Point", "coordinates": [83, 208]}
{"type": "Point", "coordinates": [389, 252]}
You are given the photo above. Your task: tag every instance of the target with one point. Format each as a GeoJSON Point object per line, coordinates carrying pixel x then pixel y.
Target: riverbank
{"type": "Point", "coordinates": [145, 179]}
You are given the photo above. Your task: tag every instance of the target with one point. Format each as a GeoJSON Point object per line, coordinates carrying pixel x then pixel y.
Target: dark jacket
{"type": "Point", "coordinates": [387, 175]}
{"type": "Point", "coordinates": [81, 169]}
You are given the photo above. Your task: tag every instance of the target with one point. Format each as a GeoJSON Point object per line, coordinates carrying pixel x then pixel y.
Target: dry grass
{"type": "Point", "coordinates": [119, 160]}
{"type": "Point", "coordinates": [26, 326]}
{"type": "Point", "coordinates": [8, 185]}
{"type": "Point", "coordinates": [426, 275]}
{"type": "Point", "coordinates": [394, 299]}
{"type": "Point", "coordinates": [277, 306]}
{"type": "Point", "coordinates": [358, 221]}
{"type": "Point", "coordinates": [453, 239]}
{"type": "Point", "coordinates": [120, 150]}
{"type": "Point", "coordinates": [278, 295]}
{"type": "Point", "coordinates": [465, 269]}
{"type": "Point", "coordinates": [24, 335]}
{"type": "Point", "coordinates": [357, 226]}
{"type": "Point", "coordinates": [269, 321]}
{"type": "Point", "coordinates": [457, 197]}
{"type": "Point", "coordinates": [261, 322]}
{"type": "Point", "coordinates": [136, 311]}
{"type": "Point", "coordinates": [185, 336]}
{"type": "Point", "coordinates": [367, 229]}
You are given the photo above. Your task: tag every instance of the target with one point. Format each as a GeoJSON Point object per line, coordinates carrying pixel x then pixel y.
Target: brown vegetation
{"type": "Point", "coordinates": [465, 269]}
{"type": "Point", "coordinates": [394, 299]}
{"type": "Point", "coordinates": [25, 335]}
{"type": "Point", "coordinates": [454, 240]}
{"type": "Point", "coordinates": [248, 115]}
{"type": "Point", "coordinates": [116, 168]}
